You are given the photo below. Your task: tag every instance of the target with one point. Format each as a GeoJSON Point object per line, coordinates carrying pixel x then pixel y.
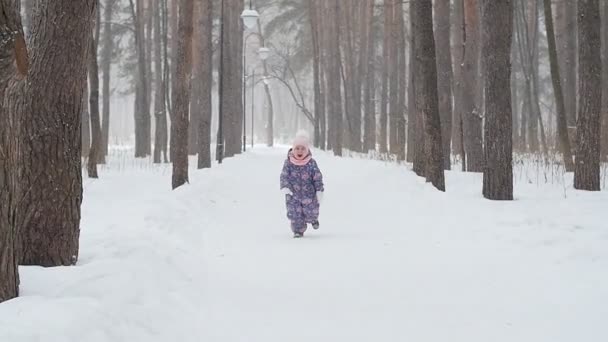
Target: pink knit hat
{"type": "Point", "coordinates": [302, 139]}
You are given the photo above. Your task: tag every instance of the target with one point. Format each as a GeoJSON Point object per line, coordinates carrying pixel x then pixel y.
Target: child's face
{"type": "Point", "coordinates": [300, 151]}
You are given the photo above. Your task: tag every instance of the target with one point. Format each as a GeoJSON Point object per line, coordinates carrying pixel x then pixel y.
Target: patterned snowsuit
{"type": "Point", "coordinates": [304, 182]}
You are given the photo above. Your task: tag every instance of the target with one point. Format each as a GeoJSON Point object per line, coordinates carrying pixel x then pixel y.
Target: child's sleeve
{"type": "Point", "coordinates": [317, 178]}
{"type": "Point", "coordinates": [285, 175]}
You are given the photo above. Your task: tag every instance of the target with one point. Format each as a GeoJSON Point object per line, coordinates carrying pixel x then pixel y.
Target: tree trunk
{"type": "Point", "coordinates": [385, 75]}
{"type": "Point", "coordinates": [393, 80]}
{"type": "Point", "coordinates": [195, 98]}
{"type": "Point", "coordinates": [471, 117]}
{"type": "Point", "coordinates": [334, 78]}
{"type": "Point", "coordinates": [13, 69]}
{"type": "Point", "coordinates": [604, 133]}
{"type": "Point", "coordinates": [458, 32]}
{"type": "Point", "coordinates": [149, 75]}
{"type": "Point", "coordinates": [206, 79]}
{"type": "Point", "coordinates": [142, 114]}
{"type": "Point", "coordinates": [316, 60]}
{"type": "Point", "coordinates": [566, 39]}
{"type": "Point", "coordinates": [426, 91]}
{"type": "Point", "coordinates": [402, 83]}
{"type": "Point", "coordinates": [367, 76]}
{"type": "Point", "coordinates": [50, 210]}
{"type": "Point", "coordinates": [444, 73]}
{"type": "Point", "coordinates": [413, 131]}
{"type": "Point", "coordinates": [160, 85]}
{"type": "Point", "coordinates": [95, 152]}
{"type": "Point", "coordinates": [173, 68]}
{"type": "Point", "coordinates": [562, 124]}
{"type": "Point", "coordinates": [181, 93]}
{"type": "Point", "coordinates": [106, 66]}
{"type": "Point", "coordinates": [497, 24]}
{"type": "Point", "coordinates": [587, 166]}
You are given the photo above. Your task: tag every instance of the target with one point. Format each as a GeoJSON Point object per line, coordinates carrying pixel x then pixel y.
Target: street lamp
{"type": "Point", "coordinates": [250, 17]}
{"type": "Point", "coordinates": [264, 53]}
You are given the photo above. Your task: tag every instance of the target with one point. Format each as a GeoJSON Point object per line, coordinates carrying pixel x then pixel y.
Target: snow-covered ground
{"type": "Point", "coordinates": [394, 260]}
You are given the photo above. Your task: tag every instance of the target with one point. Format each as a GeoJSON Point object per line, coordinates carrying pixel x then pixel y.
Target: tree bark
{"type": "Point", "coordinates": [567, 54]}
{"type": "Point", "coordinates": [181, 93]}
{"type": "Point", "coordinates": [562, 124]}
{"type": "Point", "coordinates": [316, 67]}
{"type": "Point", "coordinates": [369, 108]}
{"type": "Point", "coordinates": [384, 97]}
{"type": "Point", "coordinates": [106, 67]}
{"type": "Point", "coordinates": [142, 113]}
{"type": "Point", "coordinates": [444, 73]}
{"type": "Point", "coordinates": [206, 79]}
{"type": "Point", "coordinates": [85, 123]}
{"type": "Point", "coordinates": [497, 28]}
{"type": "Point", "coordinates": [50, 209]}
{"type": "Point", "coordinates": [95, 152]}
{"type": "Point", "coordinates": [587, 165]}
{"type": "Point", "coordinates": [458, 32]}
{"type": "Point", "coordinates": [13, 69]}
{"type": "Point", "coordinates": [604, 134]}
{"type": "Point", "coordinates": [393, 57]}
{"type": "Point", "coordinates": [334, 78]}
{"type": "Point", "coordinates": [402, 83]}
{"type": "Point", "coordinates": [195, 98]}
{"type": "Point", "coordinates": [426, 91]}
{"type": "Point", "coordinates": [471, 117]}
{"type": "Point", "coordinates": [160, 88]}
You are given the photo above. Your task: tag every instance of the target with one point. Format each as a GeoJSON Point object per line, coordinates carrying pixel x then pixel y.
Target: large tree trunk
{"type": "Point", "coordinates": [173, 67]}
{"type": "Point", "coordinates": [385, 76]}
{"type": "Point", "coordinates": [160, 110]}
{"type": "Point", "coordinates": [142, 105]}
{"type": "Point", "coordinates": [106, 67]}
{"type": "Point", "coordinates": [604, 133]}
{"type": "Point", "coordinates": [587, 166]}
{"type": "Point", "coordinates": [413, 129]}
{"type": "Point", "coordinates": [234, 74]}
{"type": "Point", "coordinates": [393, 57]}
{"type": "Point", "coordinates": [566, 40]}
{"type": "Point", "coordinates": [497, 26]}
{"type": "Point", "coordinates": [367, 76]}
{"type": "Point", "coordinates": [471, 116]}
{"type": "Point", "coordinates": [334, 78]}
{"type": "Point", "coordinates": [13, 69]}
{"type": "Point", "coordinates": [181, 93]}
{"type": "Point", "coordinates": [458, 31]}
{"type": "Point", "coordinates": [206, 78]}
{"type": "Point", "coordinates": [195, 98]}
{"type": "Point", "coordinates": [50, 210]}
{"type": "Point", "coordinates": [402, 83]}
{"type": "Point", "coordinates": [149, 74]}
{"type": "Point", "coordinates": [160, 87]}
{"type": "Point", "coordinates": [316, 60]}
{"type": "Point", "coordinates": [95, 152]}
{"type": "Point", "coordinates": [562, 124]}
{"type": "Point", "coordinates": [444, 73]}
{"type": "Point", "coordinates": [426, 91]}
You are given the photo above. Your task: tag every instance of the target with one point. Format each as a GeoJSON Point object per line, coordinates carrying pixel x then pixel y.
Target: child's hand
{"type": "Point", "coordinates": [286, 191]}
{"type": "Point", "coordinates": [319, 196]}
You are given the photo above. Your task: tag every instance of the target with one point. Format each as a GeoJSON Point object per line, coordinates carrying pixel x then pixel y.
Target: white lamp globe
{"type": "Point", "coordinates": [250, 18]}
{"type": "Point", "coordinates": [264, 53]}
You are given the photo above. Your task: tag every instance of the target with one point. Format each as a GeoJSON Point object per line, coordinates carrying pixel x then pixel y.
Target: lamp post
{"type": "Point", "coordinates": [250, 20]}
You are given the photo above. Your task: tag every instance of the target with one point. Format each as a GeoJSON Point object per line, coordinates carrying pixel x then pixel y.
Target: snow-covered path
{"type": "Point", "coordinates": [394, 260]}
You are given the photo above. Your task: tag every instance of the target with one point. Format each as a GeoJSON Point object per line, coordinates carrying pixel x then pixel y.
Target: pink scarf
{"type": "Point", "coordinates": [299, 162]}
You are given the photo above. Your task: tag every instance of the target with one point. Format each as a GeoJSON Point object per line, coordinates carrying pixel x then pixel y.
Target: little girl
{"type": "Point", "coordinates": [302, 184]}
